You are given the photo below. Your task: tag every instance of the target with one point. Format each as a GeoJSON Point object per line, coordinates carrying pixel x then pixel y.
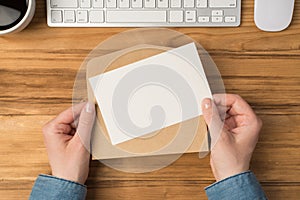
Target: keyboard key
{"type": "Point", "coordinates": [136, 3]}
{"type": "Point", "coordinates": [162, 3]}
{"type": "Point", "coordinates": [176, 16]}
{"type": "Point", "coordinates": [217, 13]}
{"type": "Point", "coordinates": [96, 16]}
{"type": "Point", "coordinates": [149, 3]}
{"type": "Point", "coordinates": [69, 16]}
{"type": "Point", "coordinates": [123, 3]}
{"type": "Point", "coordinates": [85, 3]}
{"type": "Point", "coordinates": [230, 19]}
{"type": "Point", "coordinates": [201, 3]}
{"type": "Point", "coordinates": [82, 16]}
{"type": "Point", "coordinates": [217, 19]}
{"type": "Point", "coordinates": [56, 16]}
{"type": "Point", "coordinates": [189, 3]}
{"type": "Point", "coordinates": [203, 19]}
{"type": "Point", "coordinates": [144, 16]}
{"type": "Point", "coordinates": [190, 16]}
{"type": "Point", "coordinates": [111, 3]}
{"type": "Point", "coordinates": [98, 3]}
{"type": "Point", "coordinates": [64, 3]}
{"type": "Point", "coordinates": [222, 3]}
{"type": "Point", "coordinates": [175, 3]}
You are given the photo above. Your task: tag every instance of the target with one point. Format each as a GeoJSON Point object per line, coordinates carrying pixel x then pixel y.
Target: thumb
{"type": "Point", "coordinates": [85, 124]}
{"type": "Point", "coordinates": [212, 119]}
{"type": "Point", "coordinates": [210, 112]}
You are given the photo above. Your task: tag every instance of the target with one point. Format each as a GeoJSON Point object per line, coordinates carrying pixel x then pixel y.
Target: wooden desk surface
{"type": "Point", "coordinates": [37, 70]}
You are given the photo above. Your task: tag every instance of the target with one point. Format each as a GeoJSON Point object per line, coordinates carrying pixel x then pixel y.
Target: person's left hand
{"type": "Point", "coordinates": [67, 143]}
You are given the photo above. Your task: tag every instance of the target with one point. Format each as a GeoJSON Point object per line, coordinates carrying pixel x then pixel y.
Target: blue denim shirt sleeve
{"type": "Point", "coordinates": [50, 188]}
{"type": "Point", "coordinates": [242, 186]}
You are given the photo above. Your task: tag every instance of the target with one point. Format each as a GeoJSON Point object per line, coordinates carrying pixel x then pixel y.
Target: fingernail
{"type": "Point", "coordinates": [90, 107]}
{"type": "Point", "coordinates": [207, 105]}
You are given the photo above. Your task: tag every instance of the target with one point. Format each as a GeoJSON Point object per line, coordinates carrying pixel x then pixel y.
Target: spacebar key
{"type": "Point", "coordinates": [120, 16]}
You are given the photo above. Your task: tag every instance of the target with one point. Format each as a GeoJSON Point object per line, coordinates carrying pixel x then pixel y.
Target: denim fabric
{"type": "Point", "coordinates": [242, 186]}
{"type": "Point", "coordinates": [50, 188]}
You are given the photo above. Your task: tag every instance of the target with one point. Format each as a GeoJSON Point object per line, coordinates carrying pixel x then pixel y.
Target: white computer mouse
{"type": "Point", "coordinates": [273, 15]}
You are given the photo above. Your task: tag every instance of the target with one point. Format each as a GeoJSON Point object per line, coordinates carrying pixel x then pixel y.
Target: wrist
{"type": "Point", "coordinates": [228, 173]}
{"type": "Point", "coordinates": [224, 168]}
{"type": "Point", "coordinates": [62, 179]}
{"type": "Point", "coordinates": [69, 177]}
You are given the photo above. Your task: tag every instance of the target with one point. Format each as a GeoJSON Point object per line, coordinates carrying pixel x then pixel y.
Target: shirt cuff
{"type": "Point", "coordinates": [50, 187]}
{"type": "Point", "coordinates": [240, 186]}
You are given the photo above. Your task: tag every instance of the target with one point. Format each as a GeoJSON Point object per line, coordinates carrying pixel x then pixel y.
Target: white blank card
{"type": "Point", "coordinates": [153, 93]}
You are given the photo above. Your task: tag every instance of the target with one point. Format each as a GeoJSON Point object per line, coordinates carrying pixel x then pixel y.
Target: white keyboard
{"type": "Point", "coordinates": [143, 13]}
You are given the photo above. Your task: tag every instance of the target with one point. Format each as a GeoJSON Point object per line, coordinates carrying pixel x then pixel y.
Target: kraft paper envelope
{"type": "Point", "coordinates": [102, 147]}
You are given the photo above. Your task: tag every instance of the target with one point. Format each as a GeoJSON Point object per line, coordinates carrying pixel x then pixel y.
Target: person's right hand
{"type": "Point", "coordinates": [232, 152]}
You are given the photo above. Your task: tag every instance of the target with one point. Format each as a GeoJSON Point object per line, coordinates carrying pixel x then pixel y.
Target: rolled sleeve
{"type": "Point", "coordinates": [242, 186]}
{"type": "Point", "coordinates": [50, 187]}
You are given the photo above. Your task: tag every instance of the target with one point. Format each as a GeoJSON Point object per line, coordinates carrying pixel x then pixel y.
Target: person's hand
{"type": "Point", "coordinates": [239, 134]}
{"type": "Point", "coordinates": [67, 142]}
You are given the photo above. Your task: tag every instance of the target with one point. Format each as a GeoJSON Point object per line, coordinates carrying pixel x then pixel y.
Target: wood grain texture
{"type": "Point", "coordinates": [37, 71]}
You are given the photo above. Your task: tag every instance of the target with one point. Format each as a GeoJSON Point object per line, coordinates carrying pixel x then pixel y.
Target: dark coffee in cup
{"type": "Point", "coordinates": [14, 14]}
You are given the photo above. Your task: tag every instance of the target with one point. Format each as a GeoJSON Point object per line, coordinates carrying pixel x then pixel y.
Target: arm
{"type": "Point", "coordinates": [240, 186]}
{"type": "Point", "coordinates": [50, 187]}
{"type": "Point", "coordinates": [236, 136]}
{"type": "Point", "coordinates": [68, 152]}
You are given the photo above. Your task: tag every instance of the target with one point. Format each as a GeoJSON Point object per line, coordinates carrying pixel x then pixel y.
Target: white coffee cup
{"type": "Point", "coordinates": [9, 14]}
